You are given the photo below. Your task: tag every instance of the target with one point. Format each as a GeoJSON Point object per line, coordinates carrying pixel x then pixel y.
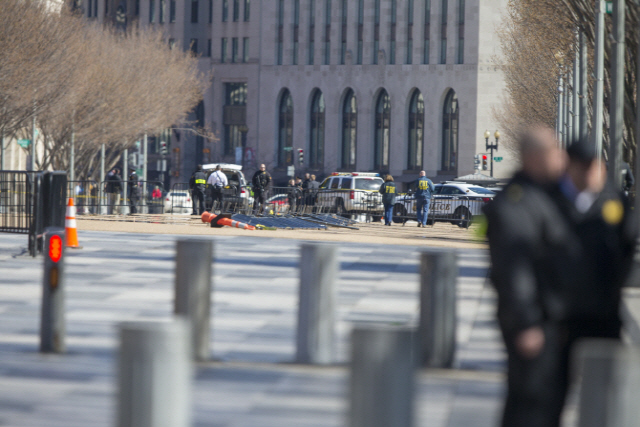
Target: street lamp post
{"type": "Point", "coordinates": [491, 147]}
{"type": "Point", "coordinates": [243, 130]}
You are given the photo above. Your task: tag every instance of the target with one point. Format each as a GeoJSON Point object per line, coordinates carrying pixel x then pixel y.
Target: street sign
{"type": "Point", "coordinates": [497, 159]}
{"type": "Point", "coordinates": [24, 143]}
{"type": "Point", "coordinates": [288, 148]}
{"type": "Point", "coordinates": [291, 171]}
{"type": "Point", "coordinates": [609, 7]}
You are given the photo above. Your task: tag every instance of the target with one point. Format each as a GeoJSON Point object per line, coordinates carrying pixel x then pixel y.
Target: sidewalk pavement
{"type": "Point", "coordinates": [250, 381]}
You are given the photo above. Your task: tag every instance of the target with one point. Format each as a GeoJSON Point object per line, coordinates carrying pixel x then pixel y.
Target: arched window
{"type": "Point", "coordinates": [316, 139]}
{"type": "Point", "coordinates": [416, 131]}
{"type": "Point", "coordinates": [450, 132]}
{"type": "Point", "coordinates": [349, 124]}
{"type": "Point", "coordinates": [382, 137]}
{"type": "Point", "coordinates": [285, 130]}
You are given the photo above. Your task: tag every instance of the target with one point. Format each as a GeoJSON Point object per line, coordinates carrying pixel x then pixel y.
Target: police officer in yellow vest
{"type": "Point", "coordinates": [197, 183]}
{"type": "Point", "coordinates": [388, 191]}
{"type": "Point", "coordinates": [424, 190]}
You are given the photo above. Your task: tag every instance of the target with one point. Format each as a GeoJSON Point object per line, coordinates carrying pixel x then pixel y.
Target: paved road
{"type": "Point", "coordinates": [120, 277]}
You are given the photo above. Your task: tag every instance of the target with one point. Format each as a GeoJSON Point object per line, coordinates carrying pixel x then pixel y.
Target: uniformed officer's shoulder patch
{"type": "Point", "coordinates": [514, 193]}
{"type": "Point", "coordinates": [612, 211]}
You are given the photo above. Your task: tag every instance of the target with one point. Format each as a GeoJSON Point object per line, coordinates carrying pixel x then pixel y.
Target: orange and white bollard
{"type": "Point", "coordinates": [70, 226]}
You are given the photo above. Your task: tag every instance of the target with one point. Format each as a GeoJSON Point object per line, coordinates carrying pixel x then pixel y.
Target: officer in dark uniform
{"type": "Point", "coordinates": [134, 193]}
{"type": "Point", "coordinates": [424, 190]}
{"type": "Point", "coordinates": [389, 193]}
{"type": "Point", "coordinates": [261, 181]}
{"type": "Point", "coordinates": [198, 180]}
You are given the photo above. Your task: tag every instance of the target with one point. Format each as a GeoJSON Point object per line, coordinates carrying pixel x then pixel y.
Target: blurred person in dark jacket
{"type": "Point", "coordinates": [554, 252]}
{"type": "Point", "coordinates": [389, 193]}
{"type": "Point", "coordinates": [134, 193]}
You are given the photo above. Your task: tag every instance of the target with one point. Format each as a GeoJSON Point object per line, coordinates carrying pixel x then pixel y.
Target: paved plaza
{"type": "Point", "coordinates": [251, 380]}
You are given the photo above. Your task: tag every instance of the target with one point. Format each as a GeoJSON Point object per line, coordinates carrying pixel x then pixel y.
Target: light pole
{"type": "Point", "coordinates": [243, 130]}
{"type": "Point", "coordinates": [491, 147]}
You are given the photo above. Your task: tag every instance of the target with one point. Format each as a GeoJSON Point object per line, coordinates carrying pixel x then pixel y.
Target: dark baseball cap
{"type": "Point", "coordinates": [582, 150]}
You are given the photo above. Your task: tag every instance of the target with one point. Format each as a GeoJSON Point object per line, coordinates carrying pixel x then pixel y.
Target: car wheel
{"type": "Point", "coordinates": [399, 213]}
{"type": "Point", "coordinates": [463, 217]}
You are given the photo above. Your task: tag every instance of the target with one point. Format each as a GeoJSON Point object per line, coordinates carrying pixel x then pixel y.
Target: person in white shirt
{"type": "Point", "coordinates": [216, 182]}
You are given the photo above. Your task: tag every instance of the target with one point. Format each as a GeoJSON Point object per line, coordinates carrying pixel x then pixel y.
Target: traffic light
{"type": "Point", "coordinates": [485, 164]}
{"type": "Point", "coordinates": [163, 148]}
{"type": "Point", "coordinates": [52, 321]}
{"type": "Point", "coordinates": [301, 155]}
{"type": "Point", "coordinates": [476, 162]}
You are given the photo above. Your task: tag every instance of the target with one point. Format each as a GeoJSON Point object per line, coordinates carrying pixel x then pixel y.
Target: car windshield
{"type": "Point", "coordinates": [481, 190]}
{"type": "Point", "coordinates": [368, 183]}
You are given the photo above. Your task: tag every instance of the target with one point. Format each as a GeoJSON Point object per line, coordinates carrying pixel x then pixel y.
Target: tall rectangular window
{"type": "Point", "coordinates": [392, 35]}
{"type": "Point", "coordinates": [245, 49]}
{"type": "Point", "coordinates": [210, 11]}
{"type": "Point", "coordinates": [376, 31]}
{"type": "Point", "coordinates": [223, 49]}
{"type": "Point", "coordinates": [280, 35]}
{"type": "Point", "coordinates": [409, 32]}
{"type": "Point", "coordinates": [172, 43]}
{"type": "Point", "coordinates": [193, 45]}
{"type": "Point", "coordinates": [360, 31]}
{"type": "Point", "coordinates": [343, 35]}
{"type": "Point", "coordinates": [296, 31]}
{"type": "Point", "coordinates": [443, 32]}
{"type": "Point", "coordinates": [427, 31]}
{"type": "Point", "coordinates": [247, 10]}
{"type": "Point", "coordinates": [209, 48]}
{"type": "Point", "coordinates": [327, 32]}
{"type": "Point", "coordinates": [162, 11]}
{"type": "Point", "coordinates": [152, 11]}
{"type": "Point", "coordinates": [234, 115]}
{"type": "Point", "coordinates": [172, 11]}
{"type": "Point", "coordinates": [236, 10]}
{"type": "Point", "coordinates": [461, 32]}
{"type": "Point", "coordinates": [225, 10]}
{"type": "Point", "coordinates": [312, 30]}
{"type": "Point", "coordinates": [194, 11]}
{"type": "Point", "coordinates": [136, 11]}
{"type": "Point", "coordinates": [234, 50]}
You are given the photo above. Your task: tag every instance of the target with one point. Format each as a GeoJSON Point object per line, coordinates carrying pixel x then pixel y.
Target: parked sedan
{"type": "Point", "coordinates": [454, 202]}
{"type": "Point", "coordinates": [178, 202]}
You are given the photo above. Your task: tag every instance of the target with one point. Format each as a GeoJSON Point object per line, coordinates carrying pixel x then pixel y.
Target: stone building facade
{"type": "Point", "coordinates": [359, 85]}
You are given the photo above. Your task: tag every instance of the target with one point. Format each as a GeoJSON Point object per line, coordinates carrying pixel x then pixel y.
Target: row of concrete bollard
{"type": "Point", "coordinates": [156, 358]}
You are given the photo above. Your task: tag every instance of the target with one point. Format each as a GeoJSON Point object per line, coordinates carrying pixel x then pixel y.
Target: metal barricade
{"type": "Point", "coordinates": [85, 196]}
{"type": "Point", "coordinates": [16, 201]}
{"type": "Point", "coordinates": [113, 201]}
{"type": "Point", "coordinates": [459, 211]}
{"type": "Point", "coordinates": [180, 199]}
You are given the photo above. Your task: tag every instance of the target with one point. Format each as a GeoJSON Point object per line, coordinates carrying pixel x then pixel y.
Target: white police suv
{"type": "Point", "coordinates": [351, 193]}
{"type": "Point", "coordinates": [452, 201]}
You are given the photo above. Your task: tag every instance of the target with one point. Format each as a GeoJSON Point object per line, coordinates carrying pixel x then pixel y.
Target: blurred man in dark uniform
{"type": "Point", "coordinates": [197, 182]}
{"type": "Point", "coordinates": [558, 259]}
{"type": "Point", "coordinates": [261, 181]}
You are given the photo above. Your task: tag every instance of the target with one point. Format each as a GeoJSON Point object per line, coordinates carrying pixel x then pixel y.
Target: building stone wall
{"type": "Point", "coordinates": [477, 82]}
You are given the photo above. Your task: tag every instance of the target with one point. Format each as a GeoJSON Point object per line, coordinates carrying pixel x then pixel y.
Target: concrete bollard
{"type": "Point", "coordinates": [52, 316]}
{"type": "Point", "coordinates": [315, 338]}
{"type": "Point", "coordinates": [155, 372]}
{"type": "Point", "coordinates": [437, 327]}
{"type": "Point", "coordinates": [193, 291]}
{"type": "Point", "coordinates": [382, 377]}
{"type": "Point", "coordinates": [610, 388]}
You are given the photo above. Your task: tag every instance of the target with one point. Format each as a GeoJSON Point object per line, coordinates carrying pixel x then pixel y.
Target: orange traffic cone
{"type": "Point", "coordinates": [70, 227]}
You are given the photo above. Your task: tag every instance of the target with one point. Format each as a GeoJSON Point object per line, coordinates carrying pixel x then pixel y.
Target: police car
{"type": "Point", "coordinates": [454, 202]}
{"type": "Point", "coordinates": [236, 193]}
{"type": "Point", "coordinates": [352, 193]}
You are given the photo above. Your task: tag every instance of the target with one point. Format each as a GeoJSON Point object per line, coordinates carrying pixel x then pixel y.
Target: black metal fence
{"type": "Point", "coordinates": [459, 211]}
{"type": "Point", "coordinates": [16, 201]}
